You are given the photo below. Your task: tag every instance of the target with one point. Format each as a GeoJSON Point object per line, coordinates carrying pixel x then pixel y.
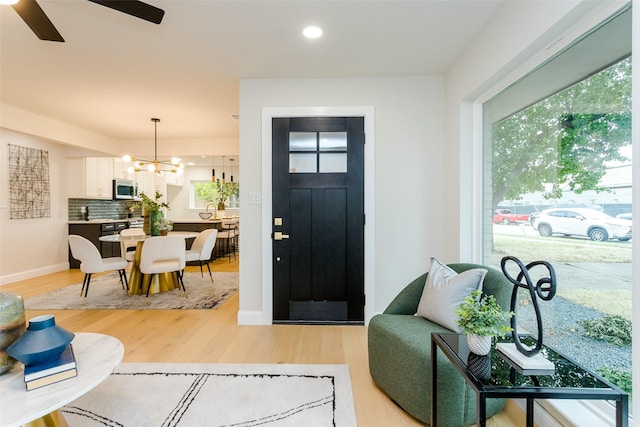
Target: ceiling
{"type": "Point", "coordinates": [115, 72]}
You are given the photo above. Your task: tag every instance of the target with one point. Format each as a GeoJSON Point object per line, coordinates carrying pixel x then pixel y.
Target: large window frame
{"type": "Point", "coordinates": [472, 114]}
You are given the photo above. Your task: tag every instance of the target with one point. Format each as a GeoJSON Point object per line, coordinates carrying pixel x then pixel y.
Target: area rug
{"type": "Point", "coordinates": [105, 292]}
{"type": "Point", "coordinates": [243, 395]}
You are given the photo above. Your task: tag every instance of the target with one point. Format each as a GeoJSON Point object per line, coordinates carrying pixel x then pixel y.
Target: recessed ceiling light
{"type": "Point", "coordinates": [312, 32]}
{"type": "Point", "coordinates": [8, 2]}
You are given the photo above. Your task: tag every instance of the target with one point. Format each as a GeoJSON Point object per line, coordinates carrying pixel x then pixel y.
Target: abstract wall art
{"type": "Point", "coordinates": [29, 189]}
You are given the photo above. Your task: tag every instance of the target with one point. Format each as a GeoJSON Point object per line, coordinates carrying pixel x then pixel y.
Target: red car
{"type": "Point", "coordinates": [506, 217]}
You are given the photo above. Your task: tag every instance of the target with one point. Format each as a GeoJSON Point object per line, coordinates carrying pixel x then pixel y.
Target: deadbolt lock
{"type": "Point", "coordinates": [279, 236]}
{"type": "Point", "coordinates": [277, 221]}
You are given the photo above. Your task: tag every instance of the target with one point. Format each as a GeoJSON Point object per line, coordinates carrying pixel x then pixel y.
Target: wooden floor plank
{"type": "Point", "coordinates": [213, 336]}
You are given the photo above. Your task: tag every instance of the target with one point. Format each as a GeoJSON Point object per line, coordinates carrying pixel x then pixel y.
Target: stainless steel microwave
{"type": "Point", "coordinates": [125, 189]}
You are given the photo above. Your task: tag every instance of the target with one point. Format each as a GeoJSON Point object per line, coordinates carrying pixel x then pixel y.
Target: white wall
{"type": "Point", "coordinates": [32, 247]}
{"type": "Point", "coordinates": [408, 174]}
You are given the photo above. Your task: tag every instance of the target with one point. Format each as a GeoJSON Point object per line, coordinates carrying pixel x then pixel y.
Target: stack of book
{"type": "Point", "coordinates": [64, 367]}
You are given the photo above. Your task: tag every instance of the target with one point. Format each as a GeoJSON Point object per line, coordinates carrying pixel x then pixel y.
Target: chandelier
{"type": "Point", "coordinates": [158, 166]}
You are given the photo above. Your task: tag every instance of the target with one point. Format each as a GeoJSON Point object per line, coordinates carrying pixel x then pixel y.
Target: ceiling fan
{"type": "Point", "coordinates": [31, 12]}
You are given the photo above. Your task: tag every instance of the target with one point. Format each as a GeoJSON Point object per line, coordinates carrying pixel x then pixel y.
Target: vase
{"type": "Point", "coordinates": [42, 342]}
{"type": "Point", "coordinates": [155, 221]}
{"type": "Point", "coordinates": [220, 210]}
{"type": "Point", "coordinates": [479, 344]}
{"type": "Point", "coordinates": [146, 226]}
{"type": "Point", "coordinates": [12, 326]}
{"type": "Point", "coordinates": [480, 366]}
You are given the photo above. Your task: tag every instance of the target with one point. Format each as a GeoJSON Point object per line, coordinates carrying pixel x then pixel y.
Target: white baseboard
{"type": "Point", "coordinates": [253, 317]}
{"type": "Point", "coordinates": [30, 274]}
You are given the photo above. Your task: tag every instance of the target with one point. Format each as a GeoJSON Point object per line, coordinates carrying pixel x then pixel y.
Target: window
{"type": "Point", "coordinates": [207, 193]}
{"type": "Point", "coordinates": [569, 148]}
{"type": "Point", "coordinates": [313, 152]}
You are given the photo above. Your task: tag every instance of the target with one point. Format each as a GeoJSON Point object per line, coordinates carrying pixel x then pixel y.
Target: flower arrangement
{"type": "Point", "coordinates": [481, 315]}
{"type": "Point", "coordinates": [151, 209]}
{"type": "Point", "coordinates": [166, 224]}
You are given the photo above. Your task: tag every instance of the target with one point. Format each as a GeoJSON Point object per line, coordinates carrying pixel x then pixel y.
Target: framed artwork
{"type": "Point", "coordinates": [29, 189]}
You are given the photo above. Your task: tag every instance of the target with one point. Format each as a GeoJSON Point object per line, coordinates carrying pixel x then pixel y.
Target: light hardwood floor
{"type": "Point", "coordinates": [213, 336]}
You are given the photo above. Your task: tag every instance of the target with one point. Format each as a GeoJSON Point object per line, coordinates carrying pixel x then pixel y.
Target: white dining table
{"type": "Point", "coordinates": [115, 238]}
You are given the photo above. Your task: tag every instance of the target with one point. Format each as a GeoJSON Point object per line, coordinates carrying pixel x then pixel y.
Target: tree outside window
{"type": "Point", "coordinates": [220, 195]}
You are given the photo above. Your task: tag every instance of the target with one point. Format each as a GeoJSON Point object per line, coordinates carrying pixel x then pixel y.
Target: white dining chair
{"type": "Point", "coordinates": [162, 254]}
{"type": "Point", "coordinates": [128, 244]}
{"type": "Point", "coordinates": [202, 248]}
{"type": "Point", "coordinates": [92, 262]}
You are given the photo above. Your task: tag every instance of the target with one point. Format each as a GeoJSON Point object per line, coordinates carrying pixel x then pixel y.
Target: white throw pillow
{"type": "Point", "coordinates": [444, 291]}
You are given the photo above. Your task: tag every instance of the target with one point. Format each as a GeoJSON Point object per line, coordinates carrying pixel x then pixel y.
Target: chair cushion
{"type": "Point", "coordinates": [163, 266]}
{"type": "Point", "coordinates": [192, 255]}
{"type": "Point", "coordinates": [114, 263]}
{"type": "Point", "coordinates": [444, 291]}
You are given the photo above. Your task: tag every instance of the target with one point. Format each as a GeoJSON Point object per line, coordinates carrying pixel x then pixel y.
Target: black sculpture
{"type": "Point", "coordinates": [545, 288]}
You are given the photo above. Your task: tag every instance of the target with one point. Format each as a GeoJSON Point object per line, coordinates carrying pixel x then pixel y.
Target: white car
{"type": "Point", "coordinates": [582, 222]}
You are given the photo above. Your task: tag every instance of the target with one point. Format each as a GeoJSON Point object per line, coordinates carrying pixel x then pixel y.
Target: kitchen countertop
{"type": "Point", "coordinates": [196, 221]}
{"type": "Point", "coordinates": [97, 221]}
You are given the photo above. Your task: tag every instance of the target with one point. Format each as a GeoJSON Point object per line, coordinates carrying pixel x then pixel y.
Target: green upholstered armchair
{"type": "Point", "coordinates": [400, 360]}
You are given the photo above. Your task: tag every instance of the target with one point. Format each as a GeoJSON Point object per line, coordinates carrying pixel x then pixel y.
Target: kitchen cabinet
{"type": "Point", "coordinates": [174, 179]}
{"type": "Point", "coordinates": [121, 169]}
{"type": "Point", "coordinates": [98, 175]}
{"type": "Point", "coordinates": [92, 231]}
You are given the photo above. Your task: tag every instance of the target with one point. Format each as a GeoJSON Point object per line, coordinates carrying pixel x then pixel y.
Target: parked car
{"type": "Point", "coordinates": [506, 217]}
{"type": "Point", "coordinates": [586, 222]}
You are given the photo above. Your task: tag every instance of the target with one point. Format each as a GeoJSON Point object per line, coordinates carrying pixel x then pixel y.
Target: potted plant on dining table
{"type": "Point", "coordinates": [153, 213]}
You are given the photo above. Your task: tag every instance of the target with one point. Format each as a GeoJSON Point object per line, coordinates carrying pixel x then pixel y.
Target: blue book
{"type": "Point", "coordinates": [65, 362]}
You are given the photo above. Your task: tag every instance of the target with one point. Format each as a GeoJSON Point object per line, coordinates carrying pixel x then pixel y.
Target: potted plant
{"type": "Point", "coordinates": [152, 212]}
{"type": "Point", "coordinates": [166, 225]}
{"type": "Point", "coordinates": [481, 318]}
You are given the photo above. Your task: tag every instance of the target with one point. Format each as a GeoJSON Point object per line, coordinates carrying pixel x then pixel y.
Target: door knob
{"type": "Point", "coordinates": [279, 236]}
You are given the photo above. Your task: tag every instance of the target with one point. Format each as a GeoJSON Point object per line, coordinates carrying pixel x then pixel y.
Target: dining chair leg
{"type": "Point", "coordinates": [123, 279]}
{"type": "Point", "coordinates": [201, 272]}
{"type": "Point", "coordinates": [86, 289]}
{"type": "Point", "coordinates": [84, 283]}
{"type": "Point", "coordinates": [124, 276]}
{"type": "Point", "coordinates": [209, 268]}
{"type": "Point", "coordinates": [148, 287]}
{"type": "Point", "coordinates": [180, 276]}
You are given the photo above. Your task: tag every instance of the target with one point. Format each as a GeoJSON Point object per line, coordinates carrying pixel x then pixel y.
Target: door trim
{"type": "Point", "coordinates": [270, 113]}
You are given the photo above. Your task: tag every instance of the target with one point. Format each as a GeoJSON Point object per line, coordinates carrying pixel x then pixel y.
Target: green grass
{"type": "Point", "coordinates": [559, 249]}
{"type": "Point", "coordinates": [571, 250]}
{"type": "Point", "coordinates": [616, 302]}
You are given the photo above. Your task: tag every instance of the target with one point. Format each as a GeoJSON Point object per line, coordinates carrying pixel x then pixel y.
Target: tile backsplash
{"type": "Point", "coordinates": [101, 209]}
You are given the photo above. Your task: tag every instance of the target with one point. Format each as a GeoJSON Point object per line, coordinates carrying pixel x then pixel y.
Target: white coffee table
{"type": "Point", "coordinates": [96, 355]}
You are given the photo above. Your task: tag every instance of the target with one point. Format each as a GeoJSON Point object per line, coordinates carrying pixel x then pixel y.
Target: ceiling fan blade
{"type": "Point", "coordinates": [31, 12]}
{"type": "Point", "coordinates": [134, 8]}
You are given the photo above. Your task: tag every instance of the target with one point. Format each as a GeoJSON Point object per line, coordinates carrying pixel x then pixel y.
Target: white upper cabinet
{"type": "Point", "coordinates": [98, 177]}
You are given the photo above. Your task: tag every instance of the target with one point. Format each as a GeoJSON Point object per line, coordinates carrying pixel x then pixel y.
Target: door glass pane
{"type": "Point", "coordinates": [333, 141]}
{"type": "Point", "coordinates": [302, 141]}
{"type": "Point", "coordinates": [333, 162]}
{"type": "Point", "coordinates": [302, 163]}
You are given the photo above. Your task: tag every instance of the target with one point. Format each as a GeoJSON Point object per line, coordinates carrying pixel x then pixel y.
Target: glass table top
{"type": "Point", "coordinates": [567, 373]}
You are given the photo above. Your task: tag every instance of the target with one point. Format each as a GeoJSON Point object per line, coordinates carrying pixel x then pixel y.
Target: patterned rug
{"type": "Point", "coordinates": [105, 292]}
{"type": "Point", "coordinates": [174, 394]}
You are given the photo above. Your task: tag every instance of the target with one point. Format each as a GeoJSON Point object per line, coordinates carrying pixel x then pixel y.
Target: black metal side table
{"type": "Point", "coordinates": [492, 376]}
